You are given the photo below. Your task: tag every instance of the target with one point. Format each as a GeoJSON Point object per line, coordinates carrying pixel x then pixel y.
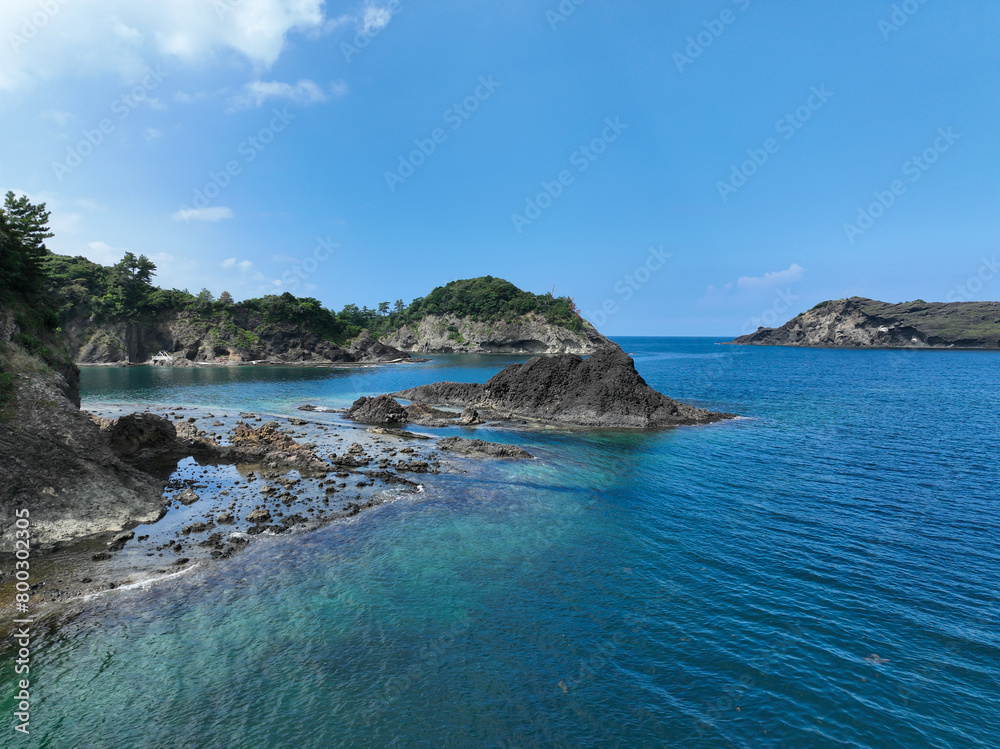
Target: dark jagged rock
{"type": "Point", "coordinates": [421, 413]}
{"type": "Point", "coordinates": [364, 348]}
{"type": "Point", "coordinates": [481, 448]}
{"type": "Point", "coordinates": [470, 417]}
{"type": "Point", "coordinates": [866, 323]}
{"type": "Point", "coordinates": [455, 394]}
{"type": "Point", "coordinates": [604, 390]}
{"type": "Point", "coordinates": [54, 458]}
{"type": "Point", "coordinates": [380, 410]}
{"type": "Point", "coordinates": [133, 433]}
{"type": "Point", "coordinates": [273, 449]}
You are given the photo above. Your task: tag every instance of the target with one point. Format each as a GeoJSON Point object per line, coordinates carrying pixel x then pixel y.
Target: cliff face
{"type": "Point", "coordinates": [529, 334]}
{"type": "Point", "coordinates": [216, 340]}
{"type": "Point", "coordinates": [863, 323]}
{"type": "Point", "coordinates": [55, 461]}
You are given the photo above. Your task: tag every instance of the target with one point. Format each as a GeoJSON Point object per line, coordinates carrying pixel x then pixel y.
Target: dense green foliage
{"type": "Point", "coordinates": [484, 299]}
{"type": "Point", "coordinates": [23, 231]}
{"type": "Point", "coordinates": [23, 298]}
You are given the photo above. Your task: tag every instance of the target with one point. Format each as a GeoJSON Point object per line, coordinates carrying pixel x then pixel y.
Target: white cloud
{"type": "Point", "coordinates": [374, 18]}
{"type": "Point", "coordinates": [229, 262]}
{"type": "Point", "coordinates": [216, 213]}
{"type": "Point", "coordinates": [108, 36]}
{"type": "Point", "coordinates": [793, 273]}
{"type": "Point", "coordinates": [256, 93]}
{"type": "Point", "coordinates": [151, 133]}
{"type": "Point", "coordinates": [103, 253]}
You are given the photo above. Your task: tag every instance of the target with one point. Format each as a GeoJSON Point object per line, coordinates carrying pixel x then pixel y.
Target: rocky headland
{"type": "Point", "coordinates": [866, 323]}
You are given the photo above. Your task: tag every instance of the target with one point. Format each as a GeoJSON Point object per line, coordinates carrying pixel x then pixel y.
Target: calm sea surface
{"type": "Point", "coordinates": [822, 573]}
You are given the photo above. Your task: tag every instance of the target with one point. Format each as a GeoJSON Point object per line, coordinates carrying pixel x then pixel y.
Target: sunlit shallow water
{"type": "Point", "coordinates": [823, 573]}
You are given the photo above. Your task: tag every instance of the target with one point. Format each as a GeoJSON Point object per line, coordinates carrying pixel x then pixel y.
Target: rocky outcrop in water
{"type": "Point", "coordinates": [382, 409]}
{"type": "Point", "coordinates": [528, 334]}
{"type": "Point", "coordinates": [482, 449]}
{"type": "Point", "coordinates": [604, 390]}
{"type": "Point", "coordinates": [866, 323]}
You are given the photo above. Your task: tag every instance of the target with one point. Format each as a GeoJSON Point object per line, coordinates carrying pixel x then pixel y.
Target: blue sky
{"type": "Point", "coordinates": [689, 168]}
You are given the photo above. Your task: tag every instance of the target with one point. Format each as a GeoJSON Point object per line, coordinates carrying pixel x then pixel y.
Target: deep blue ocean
{"type": "Point", "coordinates": [824, 572]}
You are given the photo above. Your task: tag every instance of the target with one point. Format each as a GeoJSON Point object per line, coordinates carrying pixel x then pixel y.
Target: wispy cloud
{"type": "Point", "coordinates": [151, 133]}
{"type": "Point", "coordinates": [256, 93]}
{"type": "Point", "coordinates": [103, 253]}
{"type": "Point", "coordinates": [375, 18]}
{"type": "Point", "coordinates": [793, 273]}
{"type": "Point", "coordinates": [216, 213]}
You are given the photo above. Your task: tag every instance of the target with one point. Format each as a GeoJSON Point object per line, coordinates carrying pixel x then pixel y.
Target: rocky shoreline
{"type": "Point", "coordinates": [125, 498]}
{"type": "Point", "coordinates": [223, 479]}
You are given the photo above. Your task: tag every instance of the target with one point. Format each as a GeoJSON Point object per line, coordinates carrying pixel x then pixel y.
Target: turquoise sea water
{"type": "Point", "coordinates": [823, 573]}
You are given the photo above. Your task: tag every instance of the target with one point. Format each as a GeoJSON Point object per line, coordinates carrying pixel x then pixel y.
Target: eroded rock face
{"type": "Point", "coordinates": [56, 463]}
{"type": "Point", "coordinates": [528, 334]}
{"type": "Point", "coordinates": [604, 390]}
{"type": "Point", "coordinates": [380, 410]}
{"type": "Point", "coordinates": [480, 448]}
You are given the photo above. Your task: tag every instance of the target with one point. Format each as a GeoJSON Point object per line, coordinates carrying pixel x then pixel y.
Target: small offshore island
{"type": "Point", "coordinates": [865, 323]}
{"type": "Point", "coordinates": [90, 479]}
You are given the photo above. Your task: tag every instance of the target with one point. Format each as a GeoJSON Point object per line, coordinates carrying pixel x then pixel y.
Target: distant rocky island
{"type": "Point", "coordinates": [865, 323]}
